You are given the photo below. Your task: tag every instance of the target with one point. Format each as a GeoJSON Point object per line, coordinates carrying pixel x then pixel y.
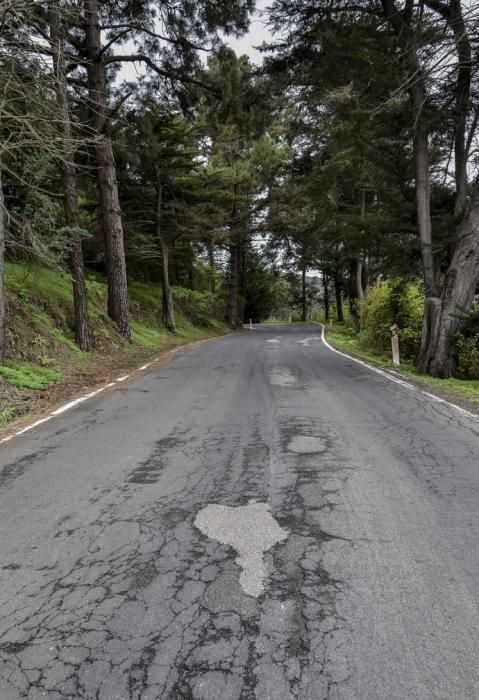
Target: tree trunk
{"type": "Point", "coordinates": [168, 311]}
{"type": "Point", "coordinates": [401, 22]}
{"type": "Point", "coordinates": [106, 174]}
{"type": "Point", "coordinates": [353, 294]}
{"type": "Point", "coordinates": [3, 304]}
{"type": "Point", "coordinates": [457, 297]}
{"type": "Point", "coordinates": [359, 280]}
{"type": "Point", "coordinates": [232, 311]}
{"type": "Point", "coordinates": [70, 201]}
{"type": "Point", "coordinates": [242, 281]}
{"type": "Point", "coordinates": [339, 301]}
{"type": "Point", "coordinates": [326, 297]}
{"type": "Point", "coordinates": [359, 265]}
{"type": "Point", "coordinates": [303, 293]}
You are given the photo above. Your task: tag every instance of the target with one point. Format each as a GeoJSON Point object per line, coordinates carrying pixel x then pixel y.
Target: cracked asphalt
{"type": "Point", "coordinates": [109, 591]}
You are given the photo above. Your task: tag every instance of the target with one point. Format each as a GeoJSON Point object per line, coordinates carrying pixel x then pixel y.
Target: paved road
{"type": "Point", "coordinates": [258, 518]}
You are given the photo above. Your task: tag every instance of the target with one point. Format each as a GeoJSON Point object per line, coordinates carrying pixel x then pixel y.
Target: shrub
{"type": "Point", "coordinates": [468, 356]}
{"type": "Point", "coordinates": [393, 301]}
{"type": "Point", "coordinates": [376, 318]}
{"type": "Point", "coordinates": [199, 307]}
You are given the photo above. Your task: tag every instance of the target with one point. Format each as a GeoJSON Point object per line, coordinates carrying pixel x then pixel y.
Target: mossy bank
{"type": "Point", "coordinates": [42, 361]}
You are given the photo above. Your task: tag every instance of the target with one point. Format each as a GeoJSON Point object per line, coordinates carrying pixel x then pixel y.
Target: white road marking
{"type": "Point", "coordinates": [401, 382]}
{"type": "Point", "coordinates": [71, 404]}
{"type": "Point", "coordinates": [29, 427]}
{"type": "Point", "coordinates": [306, 341]}
{"type": "Point", "coordinates": [251, 530]}
{"type": "Point", "coordinates": [274, 340]}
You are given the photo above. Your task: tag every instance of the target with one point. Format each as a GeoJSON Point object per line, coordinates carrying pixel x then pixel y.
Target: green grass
{"type": "Point", "coordinates": [6, 416]}
{"type": "Point", "coordinates": [26, 277]}
{"type": "Point", "coordinates": [148, 296]}
{"type": "Point", "coordinates": [42, 350]}
{"type": "Point", "coordinates": [343, 338]}
{"type": "Point", "coordinates": [30, 376]}
{"type": "Point", "coordinates": [145, 335]}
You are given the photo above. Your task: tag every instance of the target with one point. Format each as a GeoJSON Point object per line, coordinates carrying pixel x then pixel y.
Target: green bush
{"type": "Point", "coordinates": [467, 346]}
{"type": "Point", "coordinates": [468, 356]}
{"type": "Point", "coordinates": [198, 307]}
{"type": "Point", "coordinates": [393, 301]}
{"type": "Point", "coordinates": [376, 318]}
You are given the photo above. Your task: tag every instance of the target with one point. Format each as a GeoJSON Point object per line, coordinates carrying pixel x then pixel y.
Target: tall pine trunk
{"type": "Point", "coordinates": [359, 280]}
{"type": "Point", "coordinates": [339, 300]}
{"type": "Point", "coordinates": [303, 293]}
{"type": "Point", "coordinates": [359, 265]}
{"type": "Point", "coordinates": [70, 201]}
{"type": "Point", "coordinates": [233, 287]}
{"type": "Point", "coordinates": [242, 252]}
{"type": "Point", "coordinates": [3, 304]}
{"type": "Point", "coordinates": [353, 294]}
{"type": "Point", "coordinates": [326, 297]}
{"type": "Point", "coordinates": [106, 174]}
{"type": "Point", "coordinates": [423, 205]}
{"type": "Point", "coordinates": [168, 311]}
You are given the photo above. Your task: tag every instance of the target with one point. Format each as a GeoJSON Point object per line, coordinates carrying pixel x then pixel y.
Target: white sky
{"type": "Point", "coordinates": [257, 34]}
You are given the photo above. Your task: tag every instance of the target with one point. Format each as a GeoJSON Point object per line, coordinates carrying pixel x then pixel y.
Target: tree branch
{"type": "Point", "coordinates": [143, 58]}
{"type": "Point", "coordinates": [139, 28]}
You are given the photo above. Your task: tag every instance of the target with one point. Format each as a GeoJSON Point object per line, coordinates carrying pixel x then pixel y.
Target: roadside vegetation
{"type": "Point", "coordinates": [366, 334]}
{"type": "Point", "coordinates": [43, 362]}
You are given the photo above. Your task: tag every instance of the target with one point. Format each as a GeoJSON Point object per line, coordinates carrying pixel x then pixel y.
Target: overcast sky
{"type": "Point", "coordinates": [255, 37]}
{"type": "Point", "coordinates": [257, 34]}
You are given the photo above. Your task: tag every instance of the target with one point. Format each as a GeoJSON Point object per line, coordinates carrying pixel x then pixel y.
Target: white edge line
{"type": "Point", "coordinates": [406, 385]}
{"type": "Point", "coordinates": [33, 425]}
{"type": "Point", "coordinates": [71, 404]}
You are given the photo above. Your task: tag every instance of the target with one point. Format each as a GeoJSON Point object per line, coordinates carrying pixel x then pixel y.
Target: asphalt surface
{"type": "Point", "coordinates": [257, 518]}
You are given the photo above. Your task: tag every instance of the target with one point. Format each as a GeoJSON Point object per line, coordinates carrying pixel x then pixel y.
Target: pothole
{"type": "Point", "coordinates": [281, 377]}
{"type": "Point", "coordinates": [251, 530]}
{"type": "Point", "coordinates": [306, 445]}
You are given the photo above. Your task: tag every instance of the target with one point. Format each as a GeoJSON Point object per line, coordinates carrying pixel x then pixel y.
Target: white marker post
{"type": "Point", "coordinates": [250, 325]}
{"type": "Point", "coordinates": [330, 324]}
{"type": "Point", "coordinates": [395, 343]}
{"type": "Point", "coordinates": [290, 320]}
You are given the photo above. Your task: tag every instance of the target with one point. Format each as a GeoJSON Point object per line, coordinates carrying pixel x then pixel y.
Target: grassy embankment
{"type": "Point", "coordinates": [464, 390]}
{"type": "Point", "coordinates": [43, 363]}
